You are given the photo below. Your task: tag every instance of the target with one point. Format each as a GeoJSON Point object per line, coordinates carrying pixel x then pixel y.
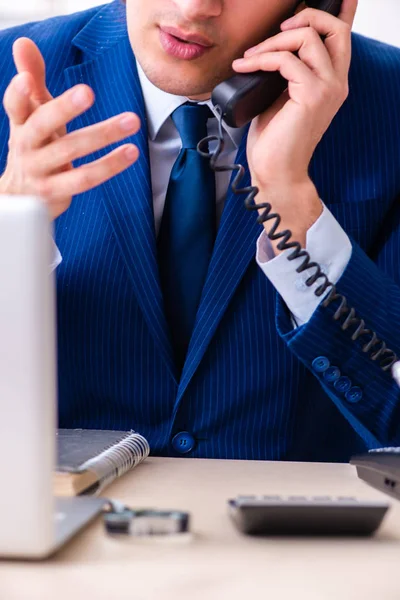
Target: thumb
{"type": "Point", "coordinates": [28, 58]}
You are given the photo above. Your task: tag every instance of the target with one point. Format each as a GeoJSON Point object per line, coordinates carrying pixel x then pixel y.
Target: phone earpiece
{"type": "Point", "coordinates": [330, 6]}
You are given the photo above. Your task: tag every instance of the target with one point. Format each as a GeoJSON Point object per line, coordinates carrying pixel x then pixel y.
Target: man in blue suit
{"type": "Point", "coordinates": [252, 365]}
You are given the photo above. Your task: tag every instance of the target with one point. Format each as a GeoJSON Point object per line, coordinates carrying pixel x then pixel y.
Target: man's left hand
{"type": "Point", "coordinates": [283, 139]}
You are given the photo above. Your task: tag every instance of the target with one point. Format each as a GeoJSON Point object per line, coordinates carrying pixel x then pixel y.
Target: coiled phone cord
{"type": "Point", "coordinates": [376, 348]}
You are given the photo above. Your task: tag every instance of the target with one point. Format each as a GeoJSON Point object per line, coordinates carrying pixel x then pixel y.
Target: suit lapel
{"type": "Point", "coordinates": [110, 70]}
{"type": "Point", "coordinates": [235, 248]}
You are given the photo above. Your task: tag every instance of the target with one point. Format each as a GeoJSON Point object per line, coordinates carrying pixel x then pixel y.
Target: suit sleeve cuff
{"type": "Point", "coordinates": [328, 245]}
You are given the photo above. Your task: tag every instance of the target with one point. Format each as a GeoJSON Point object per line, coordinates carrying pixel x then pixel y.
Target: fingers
{"type": "Point", "coordinates": [336, 32]}
{"type": "Point", "coordinates": [49, 117]}
{"type": "Point", "coordinates": [82, 142]}
{"type": "Point", "coordinates": [17, 102]}
{"type": "Point", "coordinates": [27, 57]}
{"type": "Point", "coordinates": [306, 42]}
{"type": "Point", "coordinates": [87, 177]}
{"type": "Point", "coordinates": [290, 67]}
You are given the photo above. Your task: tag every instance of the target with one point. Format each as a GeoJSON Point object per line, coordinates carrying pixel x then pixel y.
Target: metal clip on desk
{"type": "Point", "coordinates": [120, 519]}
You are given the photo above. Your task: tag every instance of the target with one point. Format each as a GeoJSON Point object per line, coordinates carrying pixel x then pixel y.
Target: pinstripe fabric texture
{"type": "Point", "coordinates": [247, 390]}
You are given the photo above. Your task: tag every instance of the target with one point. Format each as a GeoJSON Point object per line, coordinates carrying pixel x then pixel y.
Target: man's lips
{"type": "Point", "coordinates": [181, 45]}
{"type": "Point", "coordinates": [191, 38]}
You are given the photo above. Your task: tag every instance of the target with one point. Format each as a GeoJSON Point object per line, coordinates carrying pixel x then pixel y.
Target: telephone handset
{"type": "Point", "coordinates": [244, 96]}
{"type": "Point", "coordinates": [239, 100]}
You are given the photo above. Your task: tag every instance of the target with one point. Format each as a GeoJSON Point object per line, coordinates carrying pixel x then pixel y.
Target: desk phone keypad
{"type": "Point", "coordinates": [389, 450]}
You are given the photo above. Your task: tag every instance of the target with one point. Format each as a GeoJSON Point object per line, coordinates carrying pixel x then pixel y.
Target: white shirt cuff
{"type": "Point", "coordinates": [328, 245]}
{"type": "Point", "coordinates": [56, 256]}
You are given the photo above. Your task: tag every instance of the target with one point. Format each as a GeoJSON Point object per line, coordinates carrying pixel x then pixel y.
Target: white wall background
{"type": "Point", "coordinates": [379, 19]}
{"type": "Point", "coordinates": [375, 18]}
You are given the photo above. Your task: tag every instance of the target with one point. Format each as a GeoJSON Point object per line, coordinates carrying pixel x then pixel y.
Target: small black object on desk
{"type": "Point", "coordinates": [380, 468]}
{"type": "Point", "coordinates": [306, 516]}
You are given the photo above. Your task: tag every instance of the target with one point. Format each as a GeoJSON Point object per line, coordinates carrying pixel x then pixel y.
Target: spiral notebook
{"type": "Point", "coordinates": [89, 460]}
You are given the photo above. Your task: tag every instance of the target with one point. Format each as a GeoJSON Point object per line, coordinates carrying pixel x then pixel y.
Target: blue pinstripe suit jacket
{"type": "Point", "coordinates": [247, 389]}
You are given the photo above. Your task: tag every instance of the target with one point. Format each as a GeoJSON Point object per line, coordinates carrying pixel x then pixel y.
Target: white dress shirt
{"type": "Point", "coordinates": [165, 144]}
{"type": "Point", "coordinates": [327, 242]}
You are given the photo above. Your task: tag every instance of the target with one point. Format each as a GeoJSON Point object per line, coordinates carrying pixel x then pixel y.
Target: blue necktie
{"type": "Point", "coordinates": [188, 228]}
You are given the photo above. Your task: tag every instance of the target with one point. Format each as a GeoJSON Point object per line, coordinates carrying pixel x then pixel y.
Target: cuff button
{"type": "Point", "coordinates": [354, 395]}
{"type": "Point", "coordinates": [342, 385]}
{"type": "Point", "coordinates": [320, 364]}
{"type": "Point", "coordinates": [332, 374]}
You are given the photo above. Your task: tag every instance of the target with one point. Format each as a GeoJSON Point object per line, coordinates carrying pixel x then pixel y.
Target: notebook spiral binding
{"type": "Point", "coordinates": [118, 459]}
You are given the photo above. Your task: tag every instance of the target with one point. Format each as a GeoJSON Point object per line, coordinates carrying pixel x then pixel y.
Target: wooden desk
{"type": "Point", "coordinates": [218, 563]}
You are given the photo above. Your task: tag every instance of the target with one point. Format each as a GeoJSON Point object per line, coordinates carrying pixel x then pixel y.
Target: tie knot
{"type": "Point", "coordinates": [191, 123]}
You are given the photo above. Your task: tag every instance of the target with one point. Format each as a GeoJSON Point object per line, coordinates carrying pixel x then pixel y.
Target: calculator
{"type": "Point", "coordinates": [306, 515]}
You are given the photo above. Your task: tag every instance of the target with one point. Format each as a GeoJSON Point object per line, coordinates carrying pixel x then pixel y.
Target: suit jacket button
{"type": "Point", "coordinates": [320, 364]}
{"type": "Point", "coordinates": [183, 442]}
{"type": "Point", "coordinates": [332, 374]}
{"type": "Point", "coordinates": [343, 384]}
{"type": "Point", "coordinates": [354, 394]}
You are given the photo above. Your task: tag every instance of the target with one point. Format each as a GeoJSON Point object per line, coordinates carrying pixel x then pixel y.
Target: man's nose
{"type": "Point", "coordinates": [199, 9]}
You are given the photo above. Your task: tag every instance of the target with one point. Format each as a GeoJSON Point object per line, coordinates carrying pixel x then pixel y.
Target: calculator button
{"type": "Point", "coordinates": [321, 498]}
{"type": "Point", "coordinates": [347, 499]}
{"type": "Point", "coordinates": [272, 498]}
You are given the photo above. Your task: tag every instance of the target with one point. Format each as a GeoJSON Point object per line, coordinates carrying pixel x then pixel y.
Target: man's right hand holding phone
{"type": "Point", "coordinates": [41, 151]}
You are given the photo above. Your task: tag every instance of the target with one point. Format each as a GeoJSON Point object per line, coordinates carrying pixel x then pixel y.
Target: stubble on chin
{"type": "Point", "coordinates": [185, 79]}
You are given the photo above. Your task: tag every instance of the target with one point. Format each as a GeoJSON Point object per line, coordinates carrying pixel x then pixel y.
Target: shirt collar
{"type": "Point", "coordinates": [160, 105]}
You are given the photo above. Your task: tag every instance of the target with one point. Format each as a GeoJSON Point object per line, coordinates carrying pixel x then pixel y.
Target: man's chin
{"type": "Point", "coordinates": [183, 81]}
{"type": "Point", "coordinates": [189, 91]}
{"type": "Point", "coordinates": [181, 86]}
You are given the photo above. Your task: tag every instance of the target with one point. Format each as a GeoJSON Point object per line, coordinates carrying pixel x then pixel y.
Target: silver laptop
{"type": "Point", "coordinates": [33, 524]}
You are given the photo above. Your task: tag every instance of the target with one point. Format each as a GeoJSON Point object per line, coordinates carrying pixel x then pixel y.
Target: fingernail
{"type": "Point", "coordinates": [131, 153]}
{"type": "Point", "coordinates": [127, 123]}
{"type": "Point", "coordinates": [288, 22]}
{"type": "Point", "coordinates": [239, 61]}
{"type": "Point", "coordinates": [80, 98]}
{"type": "Point", "coordinates": [250, 51]}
